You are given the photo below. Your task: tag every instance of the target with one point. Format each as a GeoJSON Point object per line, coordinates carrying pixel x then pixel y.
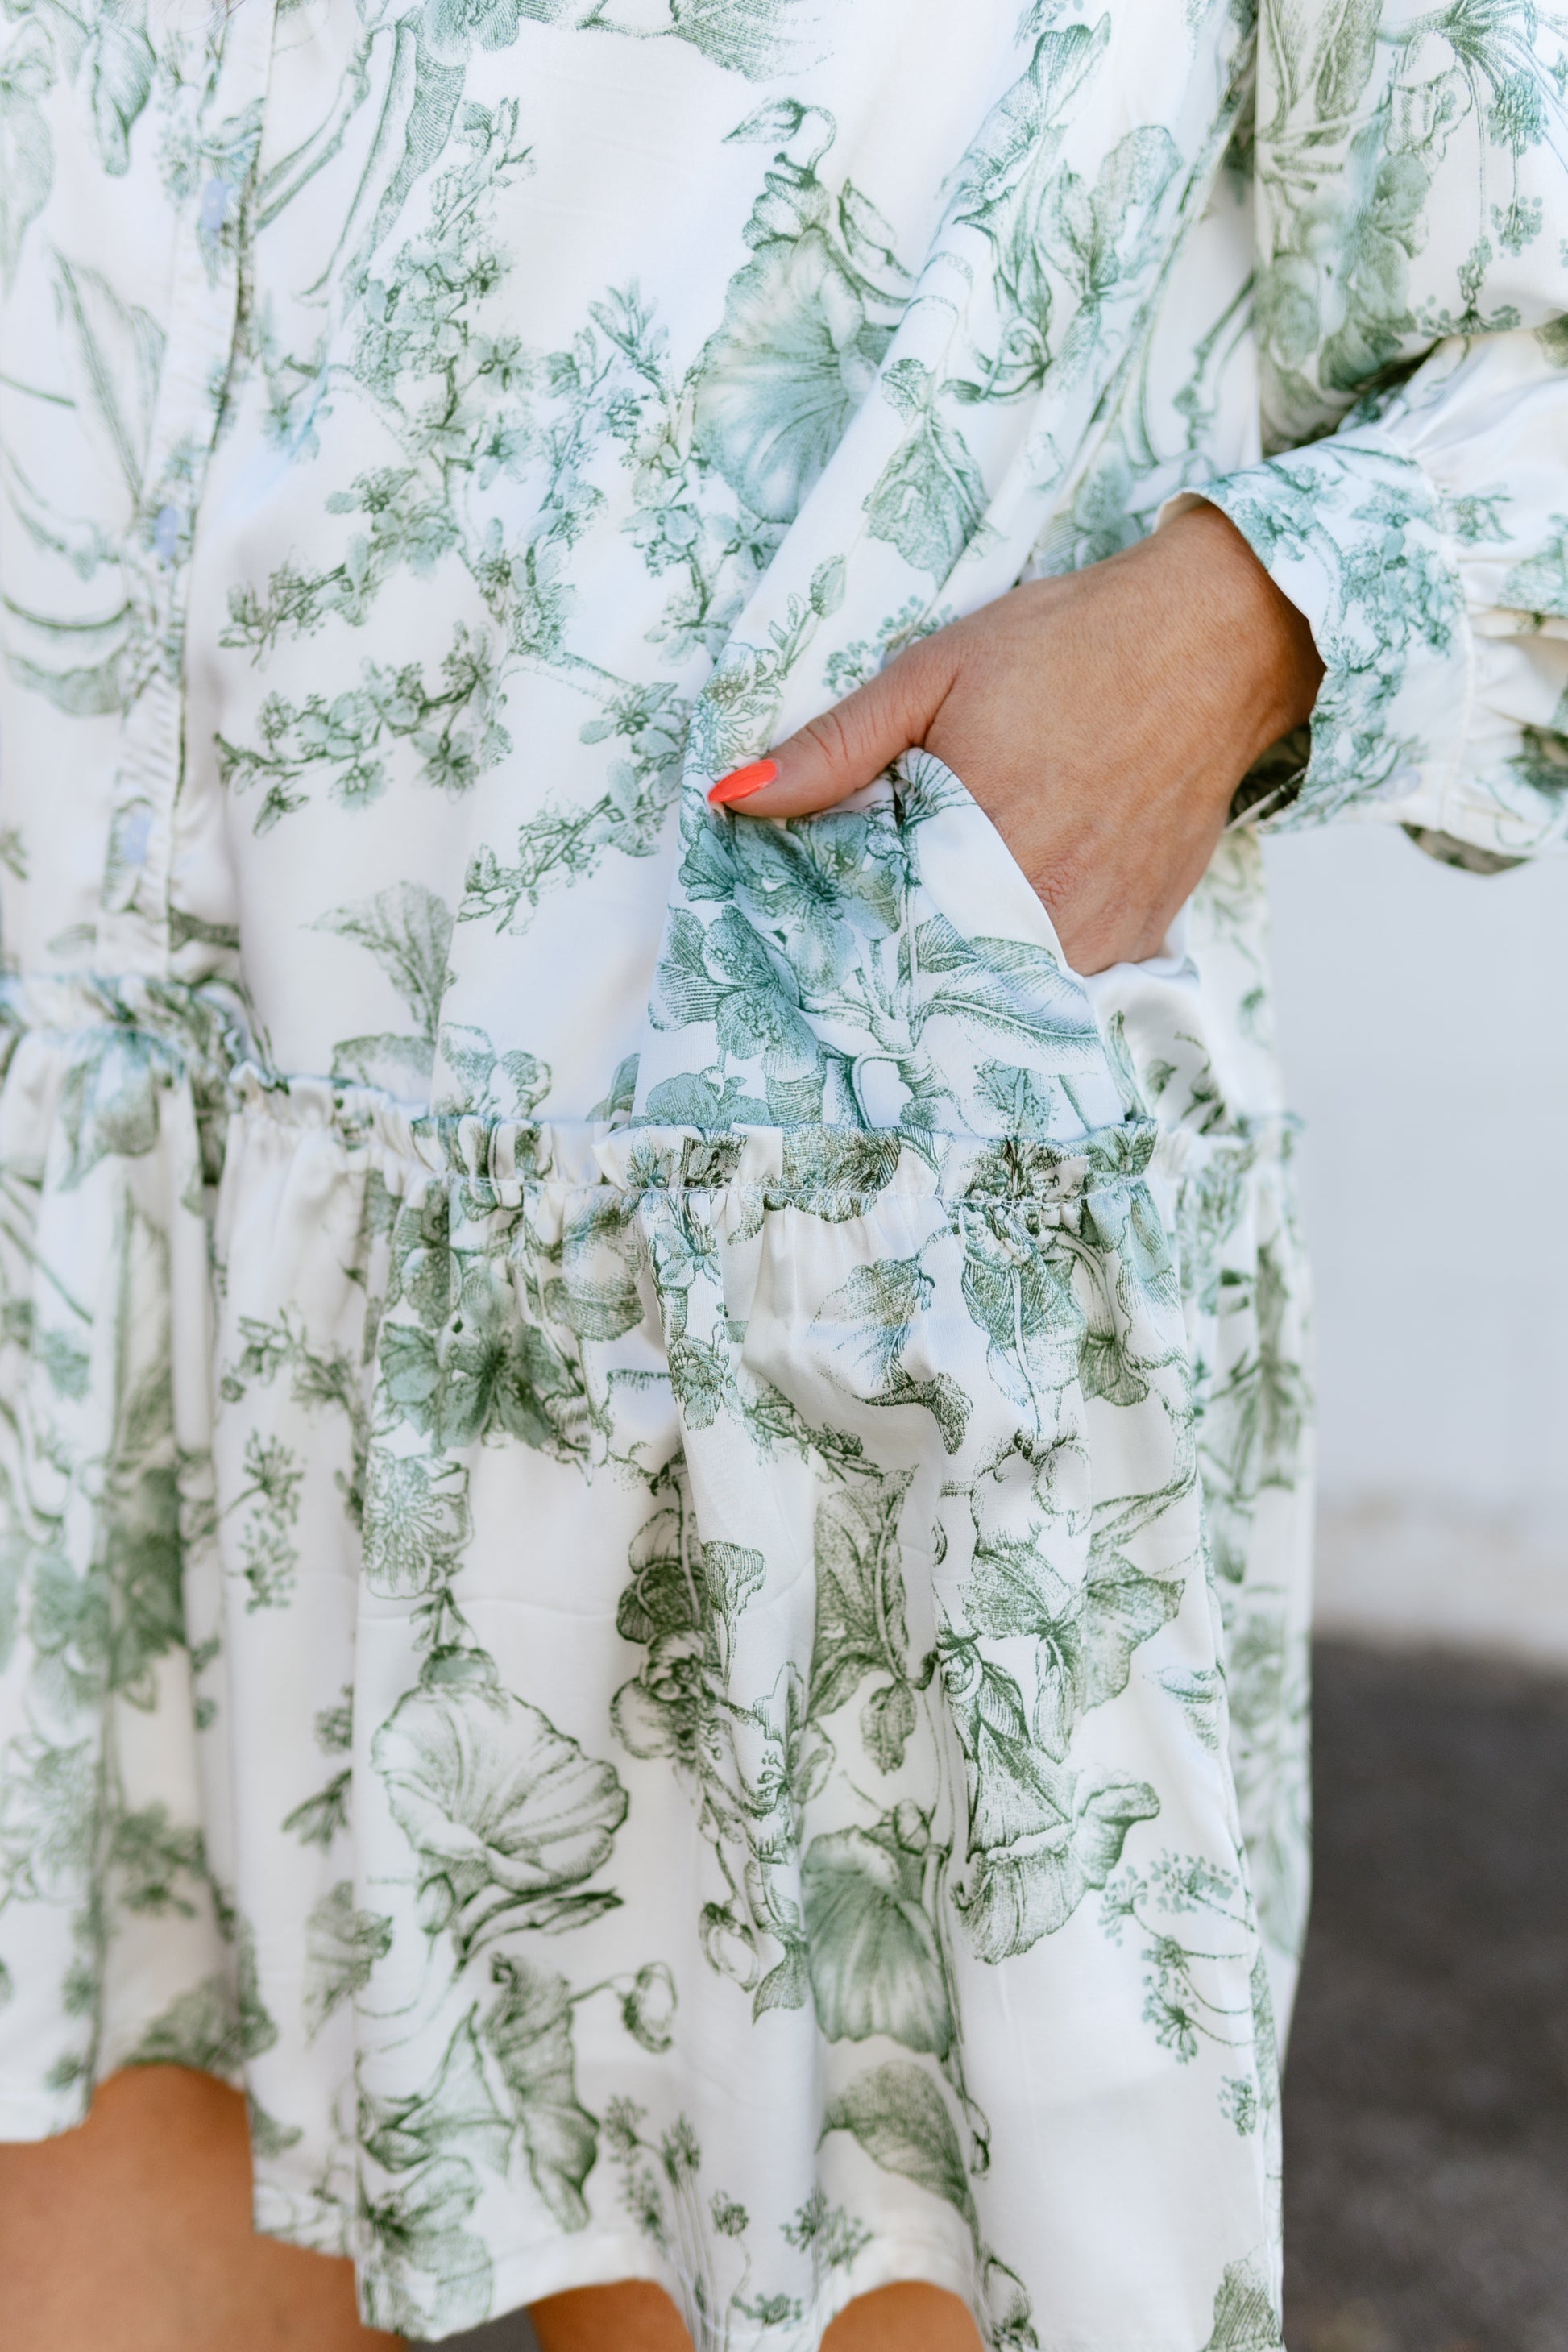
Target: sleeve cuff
{"type": "Point", "coordinates": [1350, 530]}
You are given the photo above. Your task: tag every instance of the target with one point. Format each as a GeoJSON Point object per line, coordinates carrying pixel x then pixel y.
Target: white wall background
{"type": "Point", "coordinates": [1424, 1020]}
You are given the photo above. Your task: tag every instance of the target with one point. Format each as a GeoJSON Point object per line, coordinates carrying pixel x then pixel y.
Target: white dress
{"type": "Point", "coordinates": [653, 1474]}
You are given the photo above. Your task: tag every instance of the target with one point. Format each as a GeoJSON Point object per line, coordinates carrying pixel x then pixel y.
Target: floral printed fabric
{"type": "Point", "coordinates": [654, 1473]}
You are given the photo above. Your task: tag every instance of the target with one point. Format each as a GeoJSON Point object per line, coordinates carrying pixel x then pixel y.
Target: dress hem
{"type": "Point", "coordinates": [616, 2258]}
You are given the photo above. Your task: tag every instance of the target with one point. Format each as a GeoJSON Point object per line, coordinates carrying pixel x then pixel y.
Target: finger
{"type": "Point", "coordinates": [843, 749]}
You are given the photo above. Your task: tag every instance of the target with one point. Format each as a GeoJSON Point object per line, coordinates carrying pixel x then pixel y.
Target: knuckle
{"type": "Point", "coordinates": [831, 736]}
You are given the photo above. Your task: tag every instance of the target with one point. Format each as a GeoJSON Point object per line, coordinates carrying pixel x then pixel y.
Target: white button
{"type": "Point", "coordinates": [215, 205]}
{"type": "Point", "coordinates": [166, 533]}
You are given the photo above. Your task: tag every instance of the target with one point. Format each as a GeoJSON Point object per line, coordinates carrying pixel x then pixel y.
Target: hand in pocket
{"type": "Point", "coordinates": [1102, 721]}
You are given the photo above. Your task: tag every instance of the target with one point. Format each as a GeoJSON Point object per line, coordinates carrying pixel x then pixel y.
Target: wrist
{"type": "Point", "coordinates": [1260, 647]}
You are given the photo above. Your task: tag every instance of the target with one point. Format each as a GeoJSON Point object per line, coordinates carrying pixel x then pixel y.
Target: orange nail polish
{"type": "Point", "coordinates": [743, 782]}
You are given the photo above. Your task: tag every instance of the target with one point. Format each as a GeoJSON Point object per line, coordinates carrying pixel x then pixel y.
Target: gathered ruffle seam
{"type": "Point", "coordinates": [198, 1034]}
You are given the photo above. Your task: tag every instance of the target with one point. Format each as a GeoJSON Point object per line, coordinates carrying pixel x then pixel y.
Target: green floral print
{"type": "Point", "coordinates": [654, 1474]}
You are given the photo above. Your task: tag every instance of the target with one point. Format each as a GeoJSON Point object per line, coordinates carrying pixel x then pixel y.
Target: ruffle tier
{"type": "Point", "coordinates": [657, 1699]}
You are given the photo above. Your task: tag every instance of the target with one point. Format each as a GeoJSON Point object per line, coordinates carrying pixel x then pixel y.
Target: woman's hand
{"type": "Point", "coordinates": [1102, 721]}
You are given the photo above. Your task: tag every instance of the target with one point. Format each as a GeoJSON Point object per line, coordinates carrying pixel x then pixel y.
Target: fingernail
{"type": "Point", "coordinates": [743, 782]}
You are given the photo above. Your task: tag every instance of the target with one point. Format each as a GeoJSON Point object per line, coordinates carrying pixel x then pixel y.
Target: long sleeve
{"type": "Point", "coordinates": [1412, 175]}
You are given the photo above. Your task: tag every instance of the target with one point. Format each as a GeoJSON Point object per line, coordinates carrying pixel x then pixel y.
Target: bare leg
{"type": "Point", "coordinates": [631, 2317]}
{"type": "Point", "coordinates": [636, 2317]}
{"type": "Point", "coordinates": [133, 2235]}
{"type": "Point", "coordinates": [906, 2318]}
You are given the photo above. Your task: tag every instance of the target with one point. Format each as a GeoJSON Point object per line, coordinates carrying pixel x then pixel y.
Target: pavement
{"type": "Point", "coordinates": [1427, 2085]}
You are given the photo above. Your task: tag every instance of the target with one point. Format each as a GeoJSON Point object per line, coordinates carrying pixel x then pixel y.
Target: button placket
{"type": "Point", "coordinates": [133, 916]}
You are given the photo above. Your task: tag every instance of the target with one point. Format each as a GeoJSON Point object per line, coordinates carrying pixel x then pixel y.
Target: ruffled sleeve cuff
{"type": "Point", "coordinates": [1428, 548]}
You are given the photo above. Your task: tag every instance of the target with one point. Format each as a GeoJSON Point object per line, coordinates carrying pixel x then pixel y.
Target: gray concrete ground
{"type": "Point", "coordinates": [1426, 2092]}
{"type": "Point", "coordinates": [1426, 2088]}
{"type": "Point", "coordinates": [513, 2335]}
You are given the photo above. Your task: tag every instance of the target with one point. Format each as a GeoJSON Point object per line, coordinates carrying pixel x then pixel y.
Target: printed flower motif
{"type": "Point", "coordinates": [645, 470]}
{"type": "Point", "coordinates": [817, 890]}
{"type": "Point", "coordinates": [416, 1521]}
{"type": "Point", "coordinates": [48, 1818]}
{"type": "Point", "coordinates": [648, 2009]}
{"type": "Point", "coordinates": [485, 1368]}
{"type": "Point", "coordinates": [455, 2111]}
{"type": "Point", "coordinates": [430, 2274]}
{"type": "Point", "coordinates": [507, 1814]}
{"type": "Point", "coordinates": [453, 25]}
{"type": "Point", "coordinates": [668, 1710]}
{"type": "Point", "coordinates": [793, 360]}
{"type": "Point", "coordinates": [1018, 1287]}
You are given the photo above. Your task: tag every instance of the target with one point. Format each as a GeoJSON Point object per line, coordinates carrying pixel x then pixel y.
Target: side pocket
{"type": "Point", "coordinates": [1142, 1011]}
{"type": "Point", "coordinates": [966, 866]}
{"type": "Point", "coordinates": [991, 999]}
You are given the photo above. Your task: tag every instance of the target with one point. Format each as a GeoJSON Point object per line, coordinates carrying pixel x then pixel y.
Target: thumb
{"type": "Point", "coordinates": [848, 746]}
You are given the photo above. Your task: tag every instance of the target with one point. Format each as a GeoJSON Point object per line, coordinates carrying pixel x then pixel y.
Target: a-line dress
{"type": "Point", "coordinates": [653, 1476]}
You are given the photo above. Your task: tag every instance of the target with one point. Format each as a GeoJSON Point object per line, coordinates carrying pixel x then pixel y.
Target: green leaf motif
{"type": "Point", "coordinates": [1040, 1836]}
{"type": "Point", "coordinates": [430, 2274]}
{"type": "Point", "coordinates": [874, 1312]}
{"type": "Point", "coordinates": [930, 498]}
{"type": "Point", "coordinates": [528, 2032]}
{"type": "Point", "coordinates": [719, 971]}
{"type": "Point", "coordinates": [902, 2121]}
{"type": "Point", "coordinates": [118, 350]}
{"type": "Point", "coordinates": [26, 149]}
{"type": "Point", "coordinates": [1012, 138]}
{"type": "Point", "coordinates": [199, 2029]}
{"type": "Point", "coordinates": [887, 1720]}
{"type": "Point", "coordinates": [214, 2026]}
{"type": "Point", "coordinates": [454, 2112]}
{"type": "Point", "coordinates": [1018, 1096]}
{"type": "Point", "coordinates": [774, 125]}
{"type": "Point", "coordinates": [269, 2138]}
{"type": "Point", "coordinates": [1245, 2313]}
{"type": "Point", "coordinates": [733, 1572]}
{"type": "Point", "coordinates": [832, 1173]}
{"type": "Point", "coordinates": [1019, 1290]}
{"type": "Point", "coordinates": [1086, 1634]}
{"type": "Point", "coordinates": [1349, 51]}
{"type": "Point", "coordinates": [1539, 585]}
{"type": "Point", "coordinates": [596, 1294]}
{"type": "Point", "coordinates": [342, 1946]}
{"type": "Point", "coordinates": [486, 1369]}
{"type": "Point", "coordinates": [860, 1624]}
{"type": "Point", "coordinates": [1097, 233]}
{"type": "Point", "coordinates": [120, 80]}
{"type": "Point", "coordinates": [1008, 986]}
{"type": "Point", "coordinates": [323, 1817]}
{"type": "Point", "coordinates": [110, 1101]}
{"type": "Point", "coordinates": [746, 37]}
{"type": "Point", "coordinates": [408, 930]}
{"type": "Point", "coordinates": [875, 1959]}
